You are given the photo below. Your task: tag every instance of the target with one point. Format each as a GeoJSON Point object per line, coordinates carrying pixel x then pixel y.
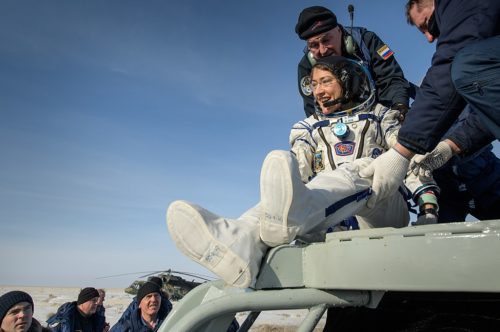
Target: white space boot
{"type": "Point", "coordinates": [292, 208]}
{"type": "Point", "coordinates": [229, 248]}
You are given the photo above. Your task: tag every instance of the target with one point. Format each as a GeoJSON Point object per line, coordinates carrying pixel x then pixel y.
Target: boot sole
{"type": "Point", "coordinates": [188, 230]}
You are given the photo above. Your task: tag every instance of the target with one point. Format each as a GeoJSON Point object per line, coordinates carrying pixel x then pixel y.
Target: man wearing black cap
{"type": "Point", "coordinates": [318, 26]}
{"type": "Point", "coordinates": [16, 313]}
{"type": "Point", "coordinates": [79, 316]}
{"type": "Point", "coordinates": [165, 308]}
{"type": "Point", "coordinates": [166, 305]}
{"type": "Point", "coordinates": [470, 181]}
{"type": "Point", "coordinates": [148, 314]}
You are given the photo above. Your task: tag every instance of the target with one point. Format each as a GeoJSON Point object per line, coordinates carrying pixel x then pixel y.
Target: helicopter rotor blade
{"type": "Point", "coordinates": [151, 273]}
{"type": "Point", "coordinates": [125, 274]}
{"type": "Point", "coordinates": [169, 271]}
{"type": "Point", "coordinates": [195, 275]}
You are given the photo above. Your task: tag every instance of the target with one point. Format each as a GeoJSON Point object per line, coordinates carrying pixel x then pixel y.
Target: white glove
{"type": "Point", "coordinates": [388, 172]}
{"type": "Point", "coordinates": [424, 165]}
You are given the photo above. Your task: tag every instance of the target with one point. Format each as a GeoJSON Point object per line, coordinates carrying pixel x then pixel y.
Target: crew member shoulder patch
{"type": "Point", "coordinates": [319, 165]}
{"type": "Point", "coordinates": [385, 52]}
{"type": "Point", "coordinates": [305, 85]}
{"type": "Point", "coordinates": [344, 148]}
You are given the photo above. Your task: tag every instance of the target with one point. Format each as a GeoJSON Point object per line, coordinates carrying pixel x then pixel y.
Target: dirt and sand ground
{"type": "Point", "coordinates": [48, 299]}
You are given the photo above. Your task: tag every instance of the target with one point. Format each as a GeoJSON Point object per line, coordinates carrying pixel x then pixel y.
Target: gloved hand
{"type": "Point", "coordinates": [424, 165]}
{"type": "Point", "coordinates": [388, 172]}
{"type": "Point", "coordinates": [402, 108]}
{"type": "Point", "coordinates": [426, 217]}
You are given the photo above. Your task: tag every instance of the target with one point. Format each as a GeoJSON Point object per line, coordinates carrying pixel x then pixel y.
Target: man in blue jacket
{"type": "Point", "coordinates": [16, 313]}
{"type": "Point", "coordinates": [80, 315]}
{"type": "Point", "coordinates": [129, 320]}
{"type": "Point", "coordinates": [149, 312]}
{"type": "Point", "coordinates": [465, 70]}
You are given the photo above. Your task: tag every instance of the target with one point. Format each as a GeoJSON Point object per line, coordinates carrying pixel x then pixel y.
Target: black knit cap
{"type": "Point", "coordinates": [315, 20]}
{"type": "Point", "coordinates": [147, 288]}
{"type": "Point", "coordinates": [10, 299]}
{"type": "Point", "coordinates": [87, 294]}
{"type": "Point", "coordinates": [156, 280]}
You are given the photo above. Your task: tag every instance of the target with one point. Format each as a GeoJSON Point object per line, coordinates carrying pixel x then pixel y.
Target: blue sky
{"type": "Point", "coordinates": [110, 110]}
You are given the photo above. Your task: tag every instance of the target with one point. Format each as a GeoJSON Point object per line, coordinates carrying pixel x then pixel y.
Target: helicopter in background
{"type": "Point", "coordinates": [173, 284]}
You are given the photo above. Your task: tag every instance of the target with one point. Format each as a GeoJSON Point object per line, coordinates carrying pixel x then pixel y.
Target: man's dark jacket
{"type": "Point", "coordinates": [64, 319]}
{"type": "Point", "coordinates": [131, 317]}
{"type": "Point", "coordinates": [437, 104]}
{"type": "Point", "coordinates": [134, 322]}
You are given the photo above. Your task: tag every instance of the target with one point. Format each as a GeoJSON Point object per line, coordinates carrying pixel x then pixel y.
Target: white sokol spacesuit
{"type": "Point", "coordinates": [324, 143]}
{"type": "Point", "coordinates": [303, 192]}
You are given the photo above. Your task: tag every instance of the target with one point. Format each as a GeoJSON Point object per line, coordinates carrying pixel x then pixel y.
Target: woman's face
{"type": "Point", "coordinates": [325, 87]}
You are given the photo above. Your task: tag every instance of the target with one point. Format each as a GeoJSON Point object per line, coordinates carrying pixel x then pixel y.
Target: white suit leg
{"type": "Point", "coordinates": [231, 249]}
{"type": "Point", "coordinates": [291, 208]}
{"type": "Point", "coordinates": [391, 212]}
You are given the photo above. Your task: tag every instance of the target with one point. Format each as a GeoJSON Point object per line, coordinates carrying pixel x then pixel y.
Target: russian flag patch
{"type": "Point", "coordinates": [385, 52]}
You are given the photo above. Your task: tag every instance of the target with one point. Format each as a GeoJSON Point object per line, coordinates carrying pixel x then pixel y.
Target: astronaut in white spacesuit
{"type": "Point", "coordinates": [310, 189]}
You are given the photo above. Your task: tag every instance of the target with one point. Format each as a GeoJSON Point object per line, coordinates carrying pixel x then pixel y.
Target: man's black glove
{"type": "Point", "coordinates": [402, 108]}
